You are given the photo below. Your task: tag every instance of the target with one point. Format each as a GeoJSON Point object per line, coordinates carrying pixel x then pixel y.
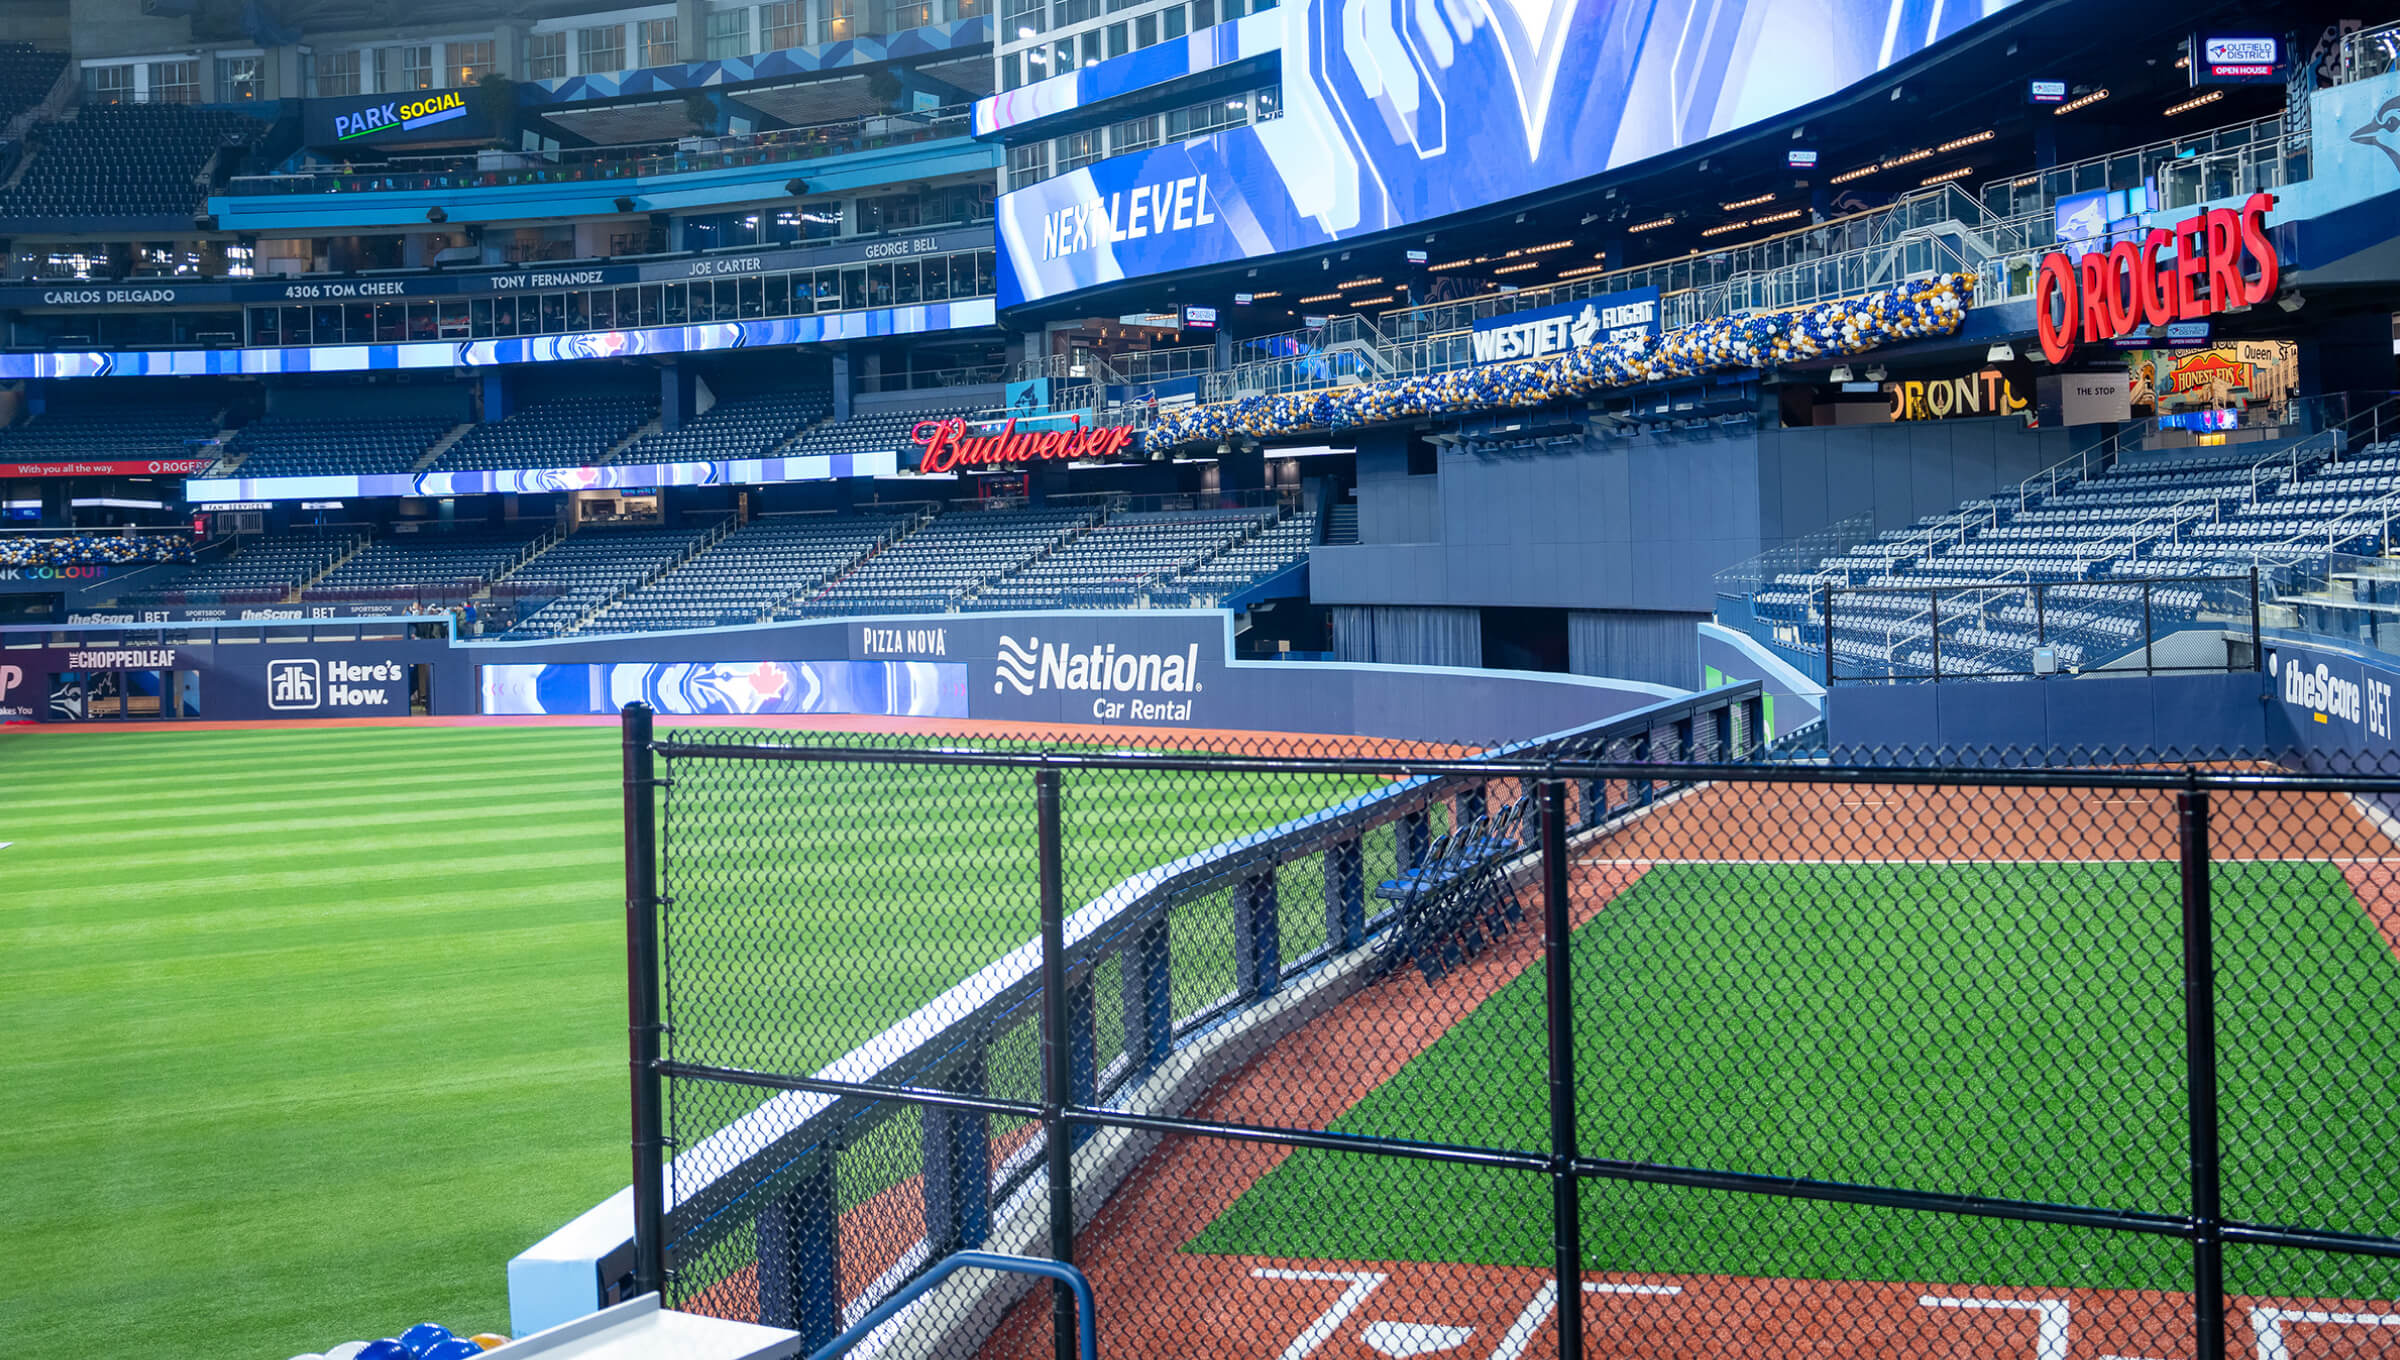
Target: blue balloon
{"type": "Point", "coordinates": [424, 1337]}
{"type": "Point", "coordinates": [456, 1348]}
{"type": "Point", "coordinates": [386, 1348]}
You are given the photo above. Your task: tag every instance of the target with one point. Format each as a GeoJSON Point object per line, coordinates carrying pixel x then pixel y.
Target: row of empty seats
{"type": "Point", "coordinates": [592, 567]}
{"type": "Point", "coordinates": [26, 74]}
{"type": "Point", "coordinates": [2063, 569]}
{"type": "Point", "coordinates": [750, 574]}
{"type": "Point", "coordinates": [118, 160]}
{"type": "Point", "coordinates": [740, 427]}
{"type": "Point", "coordinates": [429, 565]}
{"type": "Point", "coordinates": [1116, 563]}
{"type": "Point", "coordinates": [564, 432]}
{"type": "Point", "coordinates": [120, 431]}
{"type": "Point", "coordinates": [258, 570]}
{"type": "Point", "coordinates": [287, 446]}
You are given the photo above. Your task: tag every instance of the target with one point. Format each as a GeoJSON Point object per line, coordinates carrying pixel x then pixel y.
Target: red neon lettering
{"type": "Point", "coordinates": [2124, 312]}
{"type": "Point", "coordinates": [944, 445]}
{"type": "Point", "coordinates": [2224, 260]}
{"type": "Point", "coordinates": [2055, 282]}
{"type": "Point", "coordinates": [2153, 291]}
{"type": "Point", "coordinates": [2190, 260]}
{"type": "Point", "coordinates": [2092, 274]}
{"type": "Point", "coordinates": [2253, 221]}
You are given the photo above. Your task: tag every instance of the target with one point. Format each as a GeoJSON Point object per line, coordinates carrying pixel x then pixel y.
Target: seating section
{"type": "Point", "coordinates": [877, 432]}
{"type": "Point", "coordinates": [93, 549]}
{"type": "Point", "coordinates": [26, 75]}
{"type": "Point", "coordinates": [1244, 565]}
{"type": "Point", "coordinates": [428, 567]}
{"type": "Point", "coordinates": [1114, 566]}
{"type": "Point", "coordinates": [567, 432]}
{"type": "Point", "coordinates": [124, 160]}
{"type": "Point", "coordinates": [743, 427]}
{"type": "Point", "coordinates": [938, 566]}
{"type": "Point", "coordinates": [117, 432]}
{"type": "Point", "coordinates": [2088, 544]}
{"type": "Point", "coordinates": [285, 446]}
{"type": "Point", "coordinates": [261, 570]}
{"type": "Point", "coordinates": [750, 574]}
{"type": "Point", "coordinates": [589, 569]}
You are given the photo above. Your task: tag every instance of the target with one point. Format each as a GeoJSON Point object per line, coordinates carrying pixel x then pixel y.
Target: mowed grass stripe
{"type": "Point", "coordinates": [313, 1029]}
{"type": "Point", "coordinates": [2012, 1030]}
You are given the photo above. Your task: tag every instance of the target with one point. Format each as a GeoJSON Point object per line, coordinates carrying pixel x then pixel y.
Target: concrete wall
{"type": "Point", "coordinates": [1644, 523]}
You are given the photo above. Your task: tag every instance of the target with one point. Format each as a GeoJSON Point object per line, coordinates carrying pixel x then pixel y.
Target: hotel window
{"type": "Point", "coordinates": [1145, 31]}
{"type": "Point", "coordinates": [331, 73]}
{"type": "Point", "coordinates": [780, 26]}
{"type": "Point", "coordinates": [728, 33]}
{"type": "Point", "coordinates": [1174, 21]}
{"type": "Point", "coordinates": [600, 48]}
{"type": "Point", "coordinates": [1028, 164]}
{"type": "Point", "coordinates": [546, 56]}
{"type": "Point", "coordinates": [1077, 150]}
{"type": "Point", "coordinates": [469, 62]}
{"type": "Point", "coordinates": [838, 20]}
{"type": "Point", "coordinates": [108, 84]}
{"type": "Point", "coordinates": [241, 78]}
{"type": "Point", "coordinates": [658, 42]}
{"type": "Point", "coordinates": [175, 82]}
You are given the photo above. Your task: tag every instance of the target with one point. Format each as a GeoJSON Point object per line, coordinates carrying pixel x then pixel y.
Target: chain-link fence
{"type": "Point", "coordinates": [1630, 1043]}
{"type": "Point", "coordinates": [2013, 630]}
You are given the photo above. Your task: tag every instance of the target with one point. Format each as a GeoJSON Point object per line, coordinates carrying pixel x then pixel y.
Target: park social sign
{"type": "Point", "coordinates": [407, 116]}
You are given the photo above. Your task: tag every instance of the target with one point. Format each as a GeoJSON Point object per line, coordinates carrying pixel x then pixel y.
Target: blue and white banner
{"type": "Point", "coordinates": [1400, 111]}
{"type": "Point", "coordinates": [813, 467]}
{"type": "Point", "coordinates": [867, 324]}
{"type": "Point", "coordinates": [894, 689]}
{"type": "Point", "coordinates": [1567, 325]}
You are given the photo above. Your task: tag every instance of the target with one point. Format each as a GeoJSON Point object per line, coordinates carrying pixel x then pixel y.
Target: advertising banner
{"type": "Point", "coordinates": [1390, 117]}
{"type": "Point", "coordinates": [812, 467]}
{"type": "Point", "coordinates": [115, 467]}
{"type": "Point", "coordinates": [413, 119]}
{"type": "Point", "coordinates": [1566, 325]}
{"type": "Point", "coordinates": [869, 688]}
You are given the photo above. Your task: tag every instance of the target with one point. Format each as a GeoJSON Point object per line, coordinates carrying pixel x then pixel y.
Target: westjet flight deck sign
{"type": "Point", "coordinates": [1566, 325]}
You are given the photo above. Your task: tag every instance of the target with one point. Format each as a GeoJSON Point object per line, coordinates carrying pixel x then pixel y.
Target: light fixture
{"type": "Point", "coordinates": [1723, 227]}
{"type": "Point", "coordinates": [1582, 272]}
{"type": "Point", "coordinates": [2081, 101]}
{"type": "Point", "coordinates": [1652, 225]}
{"type": "Point", "coordinates": [1360, 283]}
{"type": "Point", "coordinates": [1878, 373]}
{"type": "Point", "coordinates": [1256, 297]}
{"type": "Point", "coordinates": [2194, 102]}
{"type": "Point", "coordinates": [1840, 374]}
{"type": "Point", "coordinates": [1544, 246]}
{"type": "Point", "coordinates": [2001, 353]}
{"type": "Point", "coordinates": [1450, 264]}
{"type": "Point", "coordinates": [1771, 218]}
{"type": "Point", "coordinates": [1946, 176]}
{"type": "Point", "coordinates": [1320, 297]}
{"type": "Point", "coordinates": [2022, 180]}
{"type": "Point", "coordinates": [1740, 204]}
{"type": "Point", "coordinates": [1518, 268]}
{"type": "Point", "coordinates": [1922, 153]}
{"type": "Point", "coordinates": [1860, 173]}
{"type": "Point", "coordinates": [2291, 302]}
{"type": "Point", "coordinates": [1588, 219]}
{"type": "Point", "coordinates": [1956, 142]}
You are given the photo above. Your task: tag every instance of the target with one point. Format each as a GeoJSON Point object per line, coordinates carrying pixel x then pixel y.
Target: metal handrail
{"type": "Point", "coordinates": [1087, 1330]}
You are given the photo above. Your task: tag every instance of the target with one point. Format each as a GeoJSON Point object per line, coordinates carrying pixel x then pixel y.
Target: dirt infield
{"type": "Point", "coordinates": [1158, 1299]}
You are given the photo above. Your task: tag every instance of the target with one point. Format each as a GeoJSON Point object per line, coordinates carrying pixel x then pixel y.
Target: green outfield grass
{"type": "Point", "coordinates": [2009, 1030]}
{"type": "Point", "coordinates": [309, 1031]}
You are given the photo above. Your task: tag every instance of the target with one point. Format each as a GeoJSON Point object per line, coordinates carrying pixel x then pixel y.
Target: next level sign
{"type": "Point", "coordinates": [1567, 325]}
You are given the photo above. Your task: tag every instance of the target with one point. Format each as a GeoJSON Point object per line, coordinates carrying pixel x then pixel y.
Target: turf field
{"type": "Point", "coordinates": [2011, 1029]}
{"type": "Point", "coordinates": [310, 1030]}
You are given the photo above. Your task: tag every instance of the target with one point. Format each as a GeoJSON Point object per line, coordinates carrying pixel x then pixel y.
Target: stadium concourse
{"type": "Point", "coordinates": [757, 679]}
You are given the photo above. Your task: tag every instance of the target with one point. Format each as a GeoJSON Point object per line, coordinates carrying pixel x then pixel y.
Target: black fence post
{"type": "Point", "coordinates": [1566, 1221]}
{"type": "Point", "coordinates": [1059, 1153]}
{"type": "Point", "coordinates": [2258, 660]}
{"type": "Point", "coordinates": [2149, 637]}
{"type": "Point", "coordinates": [2200, 1069]}
{"type": "Point", "coordinates": [642, 1008]}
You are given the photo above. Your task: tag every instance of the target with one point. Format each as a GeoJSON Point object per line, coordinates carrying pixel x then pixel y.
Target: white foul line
{"type": "Point", "coordinates": [1362, 1283]}
{"type": "Point", "coordinates": [2268, 1324]}
{"type": "Point", "coordinates": [1519, 1335]}
{"type": "Point", "coordinates": [2051, 1340]}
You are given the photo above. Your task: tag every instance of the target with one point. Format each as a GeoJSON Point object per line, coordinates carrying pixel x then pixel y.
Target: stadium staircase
{"type": "Point", "coordinates": [648, 428]}
{"type": "Point", "coordinates": [1341, 523]}
{"type": "Point", "coordinates": [357, 546]}
{"type": "Point", "coordinates": [580, 607]}
{"type": "Point", "coordinates": [442, 446]}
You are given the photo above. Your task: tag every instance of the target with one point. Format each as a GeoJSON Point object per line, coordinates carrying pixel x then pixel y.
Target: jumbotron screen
{"type": "Point", "coordinates": [1400, 111]}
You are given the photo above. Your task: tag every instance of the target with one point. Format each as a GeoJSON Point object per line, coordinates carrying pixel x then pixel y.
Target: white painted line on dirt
{"type": "Point", "coordinates": [1661, 1290]}
{"type": "Point", "coordinates": [2267, 1324]}
{"type": "Point", "coordinates": [1362, 1283]}
{"type": "Point", "coordinates": [2050, 1342]}
{"type": "Point", "coordinates": [1519, 1336]}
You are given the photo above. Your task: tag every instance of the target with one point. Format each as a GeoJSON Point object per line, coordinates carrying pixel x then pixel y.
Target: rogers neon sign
{"type": "Point", "coordinates": [945, 444]}
{"type": "Point", "coordinates": [2108, 293]}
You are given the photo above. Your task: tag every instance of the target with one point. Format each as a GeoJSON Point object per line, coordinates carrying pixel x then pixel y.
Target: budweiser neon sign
{"type": "Point", "coordinates": [945, 444]}
{"type": "Point", "coordinates": [2223, 259]}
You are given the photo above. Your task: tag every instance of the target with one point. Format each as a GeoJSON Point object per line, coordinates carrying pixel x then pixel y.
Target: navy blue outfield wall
{"type": "Point", "coordinates": [256, 679]}
{"type": "Point", "coordinates": [2133, 717]}
{"type": "Point", "coordinates": [1150, 668]}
